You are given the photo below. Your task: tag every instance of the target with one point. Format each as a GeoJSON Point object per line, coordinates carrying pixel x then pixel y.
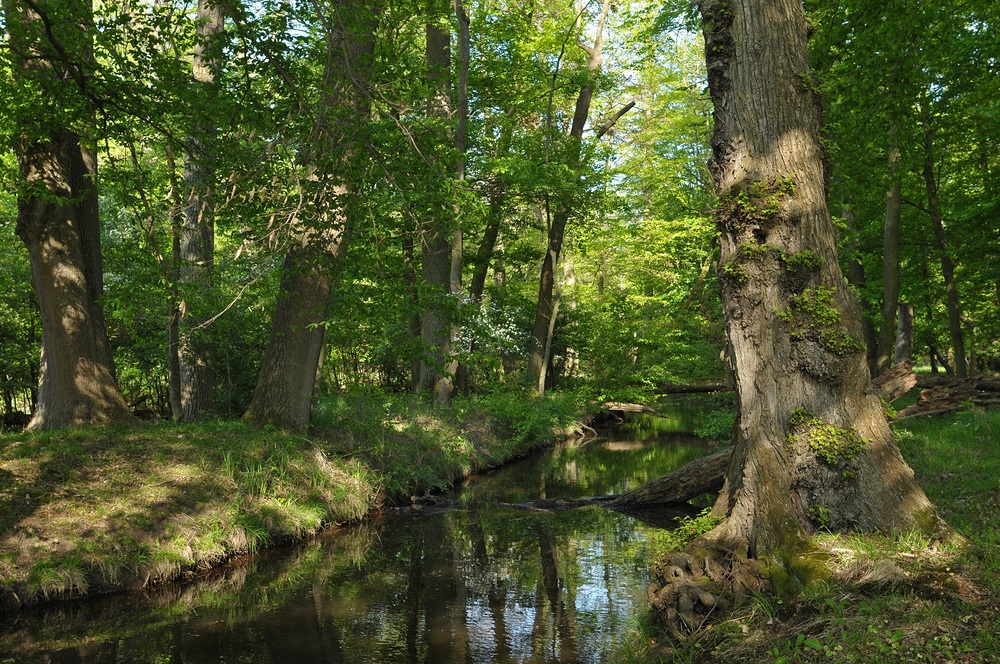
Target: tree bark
{"type": "Point", "coordinates": [857, 278]}
{"type": "Point", "coordinates": [947, 267]}
{"type": "Point", "coordinates": [696, 478]}
{"type": "Point", "coordinates": [904, 333]}
{"type": "Point", "coordinates": [410, 282]}
{"type": "Point", "coordinates": [890, 259]}
{"type": "Point", "coordinates": [792, 323]}
{"type": "Point", "coordinates": [544, 311]}
{"type": "Point", "coordinates": [197, 232]}
{"type": "Point", "coordinates": [437, 238]}
{"type": "Point", "coordinates": [284, 392]}
{"type": "Point", "coordinates": [58, 219]}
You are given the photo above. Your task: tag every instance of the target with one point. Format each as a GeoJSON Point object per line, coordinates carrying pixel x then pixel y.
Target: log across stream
{"type": "Point", "coordinates": [476, 576]}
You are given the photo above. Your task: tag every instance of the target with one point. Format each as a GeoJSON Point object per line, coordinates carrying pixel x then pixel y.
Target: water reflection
{"type": "Point", "coordinates": [476, 582]}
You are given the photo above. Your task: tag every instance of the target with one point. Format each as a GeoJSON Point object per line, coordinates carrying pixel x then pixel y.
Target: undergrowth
{"type": "Point", "coordinates": [98, 508]}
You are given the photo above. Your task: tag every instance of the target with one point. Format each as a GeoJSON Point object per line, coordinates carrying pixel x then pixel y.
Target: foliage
{"type": "Point", "coordinates": [718, 425]}
{"type": "Point", "coordinates": [687, 530]}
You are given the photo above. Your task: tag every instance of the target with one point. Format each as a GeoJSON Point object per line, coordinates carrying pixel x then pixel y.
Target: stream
{"type": "Point", "coordinates": [468, 580]}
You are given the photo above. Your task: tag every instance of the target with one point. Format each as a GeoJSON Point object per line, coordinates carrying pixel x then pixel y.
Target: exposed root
{"type": "Point", "coordinates": [690, 590]}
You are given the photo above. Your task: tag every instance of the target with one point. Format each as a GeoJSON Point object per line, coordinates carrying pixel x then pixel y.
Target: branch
{"type": "Point", "coordinates": [915, 205]}
{"type": "Point", "coordinates": [606, 127]}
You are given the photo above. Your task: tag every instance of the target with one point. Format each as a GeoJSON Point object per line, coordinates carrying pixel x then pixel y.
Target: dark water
{"type": "Point", "coordinates": [469, 582]}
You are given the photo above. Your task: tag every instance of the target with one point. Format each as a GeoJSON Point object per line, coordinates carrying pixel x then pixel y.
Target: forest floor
{"type": "Point", "coordinates": [909, 599]}
{"type": "Point", "coordinates": [97, 509]}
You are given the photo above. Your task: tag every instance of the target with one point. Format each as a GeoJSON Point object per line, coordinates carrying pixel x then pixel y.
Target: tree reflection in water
{"type": "Point", "coordinates": [477, 583]}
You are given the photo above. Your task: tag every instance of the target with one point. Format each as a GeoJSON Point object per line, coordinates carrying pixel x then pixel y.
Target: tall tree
{"type": "Point", "coordinates": [890, 258]}
{"type": "Point", "coordinates": [944, 255]}
{"type": "Point", "coordinates": [318, 238]}
{"type": "Point", "coordinates": [438, 236]}
{"type": "Point", "coordinates": [546, 310]}
{"type": "Point", "coordinates": [812, 437]}
{"type": "Point", "coordinates": [51, 44]}
{"type": "Point", "coordinates": [197, 231]}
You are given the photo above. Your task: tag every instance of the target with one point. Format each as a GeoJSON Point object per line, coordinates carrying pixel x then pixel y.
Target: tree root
{"type": "Point", "coordinates": [692, 590]}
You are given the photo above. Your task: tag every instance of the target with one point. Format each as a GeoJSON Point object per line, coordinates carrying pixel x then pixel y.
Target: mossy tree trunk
{"type": "Point", "coordinates": [813, 445]}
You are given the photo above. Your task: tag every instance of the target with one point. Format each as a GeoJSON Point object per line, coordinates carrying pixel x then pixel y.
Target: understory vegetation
{"type": "Point", "coordinates": [901, 598]}
{"type": "Point", "coordinates": [96, 508]}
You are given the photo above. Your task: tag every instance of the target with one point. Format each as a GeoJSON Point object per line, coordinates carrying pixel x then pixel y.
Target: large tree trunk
{"type": "Point", "coordinates": [284, 391]}
{"type": "Point", "coordinates": [947, 267]}
{"type": "Point", "coordinates": [812, 437]}
{"type": "Point", "coordinates": [58, 220]}
{"type": "Point", "coordinates": [197, 232]}
{"type": "Point", "coordinates": [544, 312]}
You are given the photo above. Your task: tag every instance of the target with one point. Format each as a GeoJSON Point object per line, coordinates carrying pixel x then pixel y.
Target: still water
{"type": "Point", "coordinates": [474, 579]}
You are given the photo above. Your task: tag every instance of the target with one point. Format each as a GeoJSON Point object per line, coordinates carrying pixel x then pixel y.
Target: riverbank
{"type": "Point", "coordinates": [96, 510]}
{"type": "Point", "coordinates": [907, 600]}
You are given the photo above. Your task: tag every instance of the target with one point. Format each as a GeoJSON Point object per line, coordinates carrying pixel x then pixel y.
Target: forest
{"type": "Point", "coordinates": [294, 218]}
{"type": "Point", "coordinates": [503, 195]}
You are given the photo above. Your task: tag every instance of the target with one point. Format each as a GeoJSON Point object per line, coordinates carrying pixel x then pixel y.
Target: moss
{"type": "Point", "coordinates": [833, 444]}
{"type": "Point", "coordinates": [755, 204]}
{"type": "Point", "coordinates": [811, 315]}
{"type": "Point", "coordinates": [807, 258]}
{"type": "Point", "coordinates": [799, 563]}
{"type": "Point", "coordinates": [735, 271]}
{"type": "Point", "coordinates": [753, 250]}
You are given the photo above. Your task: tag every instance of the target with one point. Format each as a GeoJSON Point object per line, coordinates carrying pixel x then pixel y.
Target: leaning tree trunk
{"type": "Point", "coordinates": [284, 392]}
{"type": "Point", "coordinates": [813, 445]}
{"type": "Point", "coordinates": [58, 220]}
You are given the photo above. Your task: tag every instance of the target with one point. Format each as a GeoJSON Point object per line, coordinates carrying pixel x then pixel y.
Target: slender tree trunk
{"type": "Point", "coordinates": [947, 267]}
{"type": "Point", "coordinates": [437, 238]}
{"type": "Point", "coordinates": [857, 278]}
{"type": "Point", "coordinates": [452, 369]}
{"type": "Point", "coordinates": [792, 323]}
{"type": "Point", "coordinates": [284, 392]}
{"type": "Point", "coordinates": [197, 233]}
{"type": "Point", "coordinates": [904, 333]}
{"type": "Point", "coordinates": [58, 219]}
{"type": "Point", "coordinates": [890, 259]}
{"type": "Point", "coordinates": [410, 280]}
{"type": "Point", "coordinates": [544, 311]}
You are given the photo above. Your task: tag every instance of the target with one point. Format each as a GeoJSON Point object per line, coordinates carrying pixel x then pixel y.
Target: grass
{"type": "Point", "coordinates": [97, 509]}
{"type": "Point", "coordinates": [900, 598]}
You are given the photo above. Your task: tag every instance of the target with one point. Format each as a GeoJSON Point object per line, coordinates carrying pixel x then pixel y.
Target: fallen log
{"type": "Point", "coordinates": [956, 394]}
{"type": "Point", "coordinates": [698, 477]}
{"type": "Point", "coordinates": [629, 408]}
{"type": "Point", "coordinates": [896, 382]}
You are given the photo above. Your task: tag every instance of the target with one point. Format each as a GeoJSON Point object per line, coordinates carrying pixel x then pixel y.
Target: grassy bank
{"type": "Point", "coordinates": [908, 599]}
{"type": "Point", "coordinates": [91, 510]}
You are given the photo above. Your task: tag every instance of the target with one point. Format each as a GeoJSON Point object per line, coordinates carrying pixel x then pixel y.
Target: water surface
{"type": "Point", "coordinates": [470, 580]}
